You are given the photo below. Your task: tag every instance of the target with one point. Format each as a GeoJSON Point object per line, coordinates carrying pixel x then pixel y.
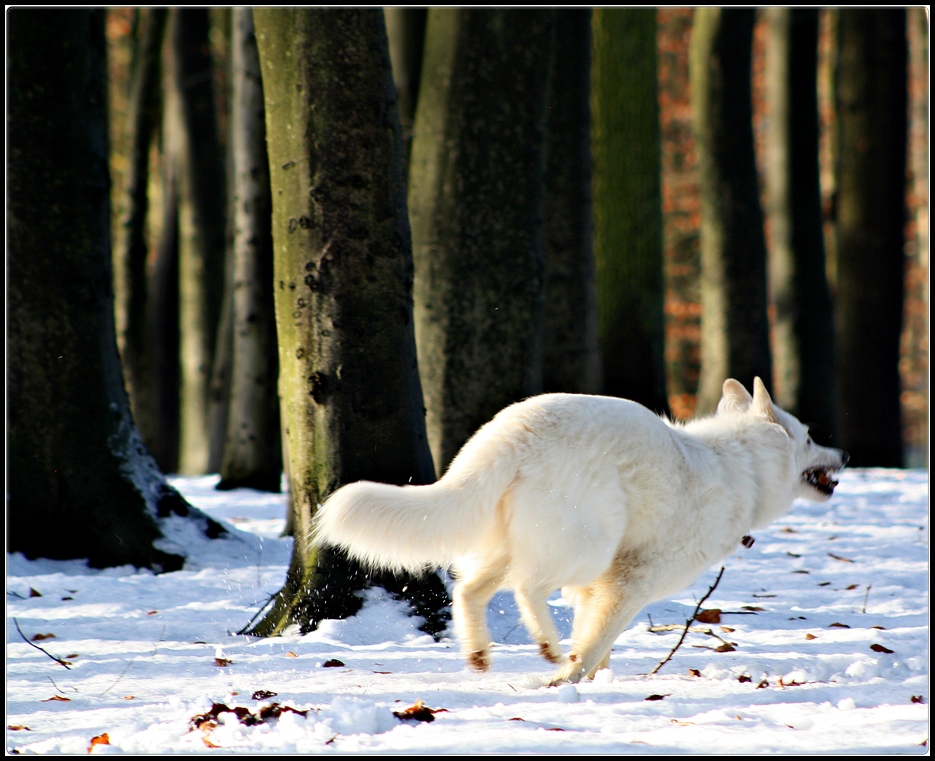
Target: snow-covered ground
{"type": "Point", "coordinates": [827, 615]}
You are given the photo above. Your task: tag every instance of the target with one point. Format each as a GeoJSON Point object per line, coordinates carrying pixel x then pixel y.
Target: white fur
{"type": "Point", "coordinates": [594, 495]}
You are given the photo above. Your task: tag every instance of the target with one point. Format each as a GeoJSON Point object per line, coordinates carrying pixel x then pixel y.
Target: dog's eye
{"type": "Point", "coordinates": [808, 441]}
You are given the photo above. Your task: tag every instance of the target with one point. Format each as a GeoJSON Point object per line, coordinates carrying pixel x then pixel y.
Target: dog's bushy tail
{"type": "Point", "coordinates": [418, 527]}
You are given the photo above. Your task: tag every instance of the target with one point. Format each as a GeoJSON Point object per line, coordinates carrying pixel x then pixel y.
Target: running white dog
{"type": "Point", "coordinates": [594, 495]}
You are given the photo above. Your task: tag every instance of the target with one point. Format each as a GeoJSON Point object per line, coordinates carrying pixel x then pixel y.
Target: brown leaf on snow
{"type": "Point", "coordinates": [221, 662]}
{"type": "Point", "coordinates": [263, 694]}
{"type": "Point", "coordinates": [762, 684]}
{"type": "Point", "coordinates": [16, 727]}
{"type": "Point", "coordinates": [726, 629]}
{"type": "Point", "coordinates": [789, 530]}
{"type": "Point", "coordinates": [152, 613]}
{"type": "Point", "coordinates": [852, 586]}
{"type": "Point", "coordinates": [725, 648]}
{"type": "Point", "coordinates": [809, 635]}
{"type": "Point", "coordinates": [839, 625]}
{"type": "Point", "coordinates": [710, 616]}
{"type": "Point", "coordinates": [290, 654]}
{"type": "Point", "coordinates": [40, 637]}
{"type": "Point", "coordinates": [333, 663]}
{"type": "Point", "coordinates": [658, 697]}
{"type": "Point", "coordinates": [694, 672]}
{"type": "Point", "coordinates": [516, 718]}
{"type": "Point", "coordinates": [838, 557]}
{"type": "Point", "coordinates": [754, 608]}
{"type": "Point", "coordinates": [209, 742]}
{"type": "Point", "coordinates": [34, 593]}
{"type": "Point", "coordinates": [880, 649]}
{"type": "Point", "coordinates": [744, 678]}
{"type": "Point", "coordinates": [58, 698]}
{"type": "Point", "coordinates": [418, 711]}
{"type": "Point", "coordinates": [878, 627]}
{"type": "Point", "coordinates": [101, 739]}
{"type": "Point", "coordinates": [801, 570]}
{"type": "Point", "coordinates": [914, 699]}
{"type": "Point", "coordinates": [129, 697]}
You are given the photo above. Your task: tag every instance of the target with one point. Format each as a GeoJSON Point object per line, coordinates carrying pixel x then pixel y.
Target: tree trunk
{"type": "Point", "coordinates": [201, 230]}
{"type": "Point", "coordinates": [405, 28]}
{"type": "Point", "coordinates": [252, 453]}
{"type": "Point", "coordinates": [81, 483]}
{"type": "Point", "coordinates": [803, 324]}
{"type": "Point", "coordinates": [130, 257]}
{"type": "Point", "coordinates": [349, 382]}
{"type": "Point", "coordinates": [571, 350]}
{"type": "Point", "coordinates": [872, 132]}
{"type": "Point", "coordinates": [734, 324]}
{"type": "Point", "coordinates": [628, 205]}
{"type": "Point", "coordinates": [476, 200]}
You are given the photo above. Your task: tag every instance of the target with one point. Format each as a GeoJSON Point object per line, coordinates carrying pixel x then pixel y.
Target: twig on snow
{"type": "Point", "coordinates": [688, 623]}
{"type": "Point", "coordinates": [33, 644]}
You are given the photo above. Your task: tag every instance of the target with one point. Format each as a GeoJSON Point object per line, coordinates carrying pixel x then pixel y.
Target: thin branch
{"type": "Point", "coordinates": [864, 609]}
{"type": "Point", "coordinates": [257, 614]}
{"type": "Point", "coordinates": [33, 644]}
{"type": "Point", "coordinates": [688, 623]}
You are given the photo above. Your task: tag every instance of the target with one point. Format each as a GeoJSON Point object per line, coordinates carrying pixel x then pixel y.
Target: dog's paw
{"type": "Point", "coordinates": [551, 654]}
{"type": "Point", "coordinates": [479, 660]}
{"type": "Point", "coordinates": [571, 672]}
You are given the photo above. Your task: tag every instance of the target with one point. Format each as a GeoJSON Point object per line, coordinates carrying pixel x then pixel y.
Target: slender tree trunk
{"type": "Point", "coordinates": [348, 377]}
{"type": "Point", "coordinates": [735, 326]}
{"type": "Point", "coordinates": [405, 28]}
{"type": "Point", "coordinates": [571, 349]}
{"type": "Point", "coordinates": [252, 453]}
{"type": "Point", "coordinates": [803, 325]}
{"type": "Point", "coordinates": [476, 200]}
{"type": "Point", "coordinates": [872, 111]}
{"type": "Point", "coordinates": [130, 256]}
{"type": "Point", "coordinates": [81, 483]}
{"type": "Point", "coordinates": [628, 205]}
{"type": "Point", "coordinates": [201, 230]}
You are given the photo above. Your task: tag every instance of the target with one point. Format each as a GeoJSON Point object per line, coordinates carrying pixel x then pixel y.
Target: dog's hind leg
{"type": "Point", "coordinates": [535, 612]}
{"type": "Point", "coordinates": [471, 595]}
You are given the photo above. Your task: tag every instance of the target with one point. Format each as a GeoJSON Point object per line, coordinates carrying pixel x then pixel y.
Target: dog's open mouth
{"type": "Point", "coordinates": [820, 479]}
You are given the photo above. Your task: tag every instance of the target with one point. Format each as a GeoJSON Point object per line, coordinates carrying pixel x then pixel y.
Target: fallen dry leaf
{"type": "Point", "coordinates": [290, 654]}
{"type": "Point", "coordinates": [34, 593]}
{"type": "Point", "coordinates": [852, 586]}
{"type": "Point", "coordinates": [793, 554]}
{"type": "Point", "coordinates": [263, 694]}
{"type": "Point", "coordinates": [878, 627]}
{"type": "Point", "coordinates": [839, 625]}
{"type": "Point", "coordinates": [744, 678]}
{"type": "Point", "coordinates": [726, 629]}
{"type": "Point", "coordinates": [725, 648]}
{"type": "Point", "coordinates": [710, 616]}
{"type": "Point", "coordinates": [824, 583]}
{"type": "Point", "coordinates": [129, 697]}
{"type": "Point", "coordinates": [880, 649]}
{"type": "Point", "coordinates": [838, 557]}
{"type": "Point", "coordinates": [210, 743]}
{"type": "Point", "coordinates": [762, 684]}
{"type": "Point", "coordinates": [40, 637]}
{"type": "Point", "coordinates": [914, 699]}
{"type": "Point", "coordinates": [221, 662]}
{"type": "Point", "coordinates": [152, 613]}
{"type": "Point", "coordinates": [658, 697]}
{"type": "Point", "coordinates": [789, 530]}
{"type": "Point", "coordinates": [58, 698]}
{"type": "Point", "coordinates": [418, 711]}
{"type": "Point", "coordinates": [333, 663]}
{"type": "Point", "coordinates": [694, 672]}
{"type": "Point", "coordinates": [754, 608]}
{"type": "Point", "coordinates": [16, 727]}
{"type": "Point", "coordinates": [101, 739]}
{"type": "Point", "coordinates": [809, 635]}
{"type": "Point", "coordinates": [73, 655]}
{"type": "Point", "coordinates": [801, 570]}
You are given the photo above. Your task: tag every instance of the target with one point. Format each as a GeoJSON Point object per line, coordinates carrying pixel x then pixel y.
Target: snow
{"type": "Point", "coordinates": [832, 585]}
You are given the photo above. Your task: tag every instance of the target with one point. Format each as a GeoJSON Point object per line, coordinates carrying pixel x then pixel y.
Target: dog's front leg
{"type": "Point", "coordinates": [535, 613]}
{"type": "Point", "coordinates": [602, 612]}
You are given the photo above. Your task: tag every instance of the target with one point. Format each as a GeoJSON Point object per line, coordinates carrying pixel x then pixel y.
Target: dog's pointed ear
{"type": "Point", "coordinates": [762, 404]}
{"type": "Point", "coordinates": [734, 397]}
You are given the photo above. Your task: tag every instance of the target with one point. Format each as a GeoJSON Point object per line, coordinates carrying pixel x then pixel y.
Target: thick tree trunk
{"type": "Point", "coordinates": [201, 229]}
{"type": "Point", "coordinates": [349, 382]}
{"type": "Point", "coordinates": [132, 288]}
{"type": "Point", "coordinates": [628, 205]}
{"type": "Point", "coordinates": [734, 323]}
{"type": "Point", "coordinates": [803, 323]}
{"type": "Point", "coordinates": [252, 452]}
{"type": "Point", "coordinates": [81, 483]}
{"type": "Point", "coordinates": [571, 349]}
{"type": "Point", "coordinates": [872, 132]}
{"type": "Point", "coordinates": [476, 201]}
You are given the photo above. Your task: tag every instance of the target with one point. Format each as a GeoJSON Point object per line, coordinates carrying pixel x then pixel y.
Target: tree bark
{"type": "Point", "coordinates": [628, 205]}
{"type": "Point", "coordinates": [348, 380]}
{"type": "Point", "coordinates": [405, 28]}
{"type": "Point", "coordinates": [476, 201]}
{"type": "Point", "coordinates": [252, 452]}
{"type": "Point", "coordinates": [81, 483]}
{"type": "Point", "coordinates": [201, 230]}
{"type": "Point", "coordinates": [130, 257]}
{"type": "Point", "coordinates": [872, 133]}
{"type": "Point", "coordinates": [571, 349]}
{"type": "Point", "coordinates": [803, 322]}
{"type": "Point", "coordinates": [734, 324]}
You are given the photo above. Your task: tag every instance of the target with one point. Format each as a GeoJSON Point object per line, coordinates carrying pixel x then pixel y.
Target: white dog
{"type": "Point", "coordinates": [591, 494]}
